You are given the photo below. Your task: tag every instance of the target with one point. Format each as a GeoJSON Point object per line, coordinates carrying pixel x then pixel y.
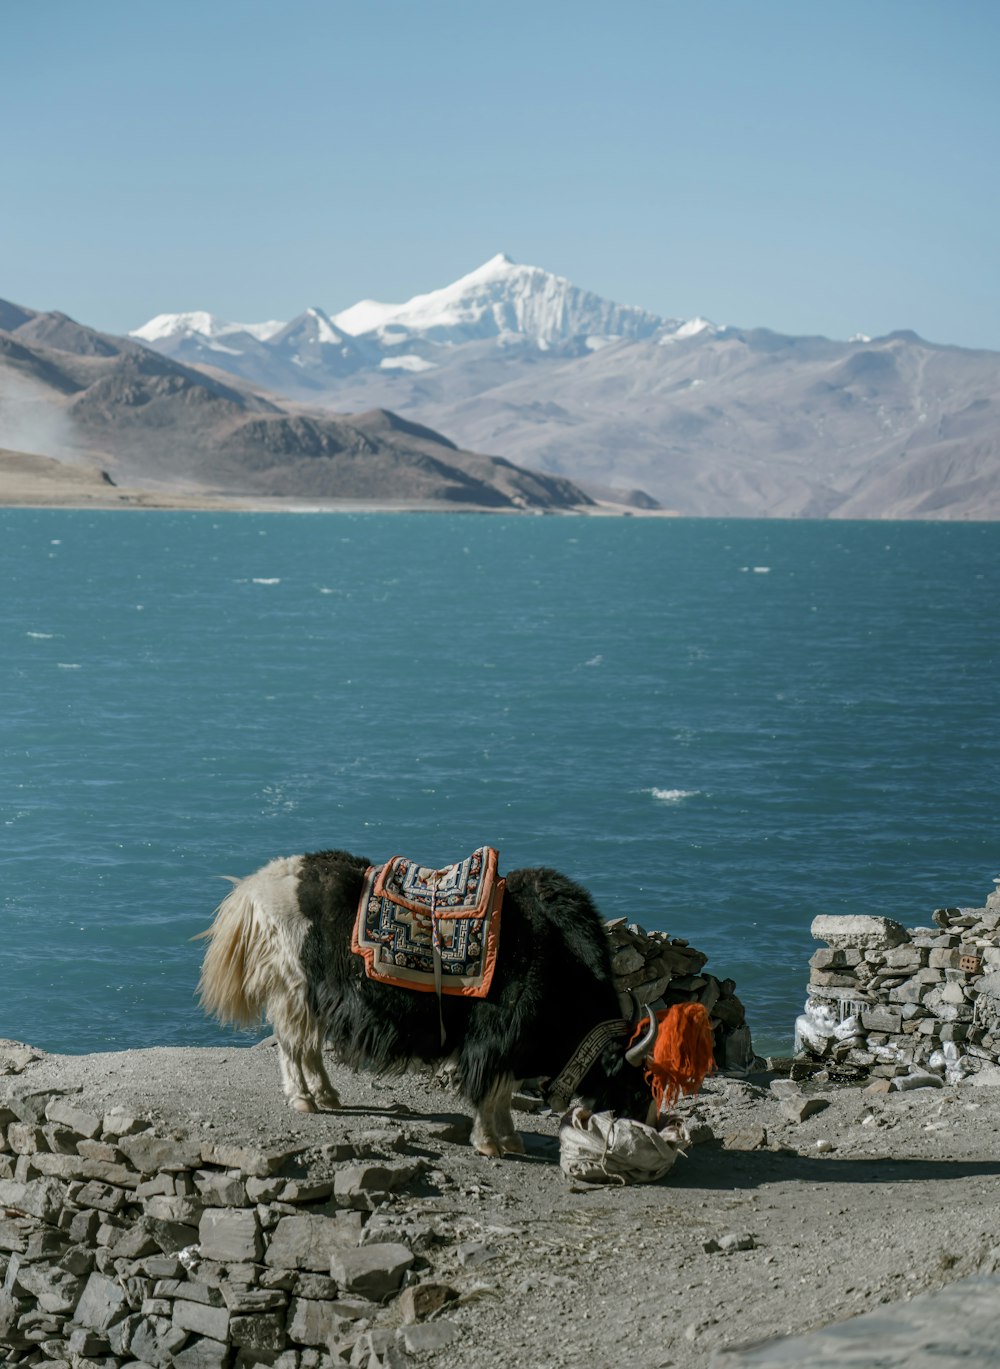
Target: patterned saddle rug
{"type": "Point", "coordinates": [431, 930]}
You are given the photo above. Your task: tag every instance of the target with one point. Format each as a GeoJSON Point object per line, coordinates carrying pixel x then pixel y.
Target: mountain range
{"type": "Point", "coordinates": [705, 419]}
{"type": "Point", "coordinates": [576, 398]}
{"type": "Point", "coordinates": [128, 415]}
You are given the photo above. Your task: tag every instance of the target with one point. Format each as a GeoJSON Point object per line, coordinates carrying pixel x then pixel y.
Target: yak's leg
{"type": "Point", "coordinates": [293, 1080]}
{"type": "Point", "coordinates": [322, 1090]}
{"type": "Point", "coordinates": [511, 1142]}
{"type": "Point", "coordinates": [493, 1128]}
{"type": "Point", "coordinates": [296, 1029]}
{"type": "Point", "coordinates": [484, 1137]}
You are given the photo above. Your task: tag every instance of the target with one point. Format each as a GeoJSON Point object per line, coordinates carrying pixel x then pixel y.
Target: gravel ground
{"type": "Point", "coordinates": [866, 1202]}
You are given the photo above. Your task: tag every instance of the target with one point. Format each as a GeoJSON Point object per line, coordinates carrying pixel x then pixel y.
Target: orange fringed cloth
{"type": "Point", "coordinates": [682, 1055]}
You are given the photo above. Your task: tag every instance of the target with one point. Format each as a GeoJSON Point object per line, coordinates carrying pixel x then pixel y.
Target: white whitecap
{"type": "Point", "coordinates": [40, 636]}
{"type": "Point", "coordinates": [595, 660]}
{"type": "Point", "coordinates": [762, 570]}
{"type": "Point", "coordinates": [261, 581]}
{"type": "Point", "coordinates": [68, 665]}
{"type": "Point", "coordinates": [673, 795]}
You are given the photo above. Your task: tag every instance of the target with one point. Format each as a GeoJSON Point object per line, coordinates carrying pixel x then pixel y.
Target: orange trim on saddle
{"type": "Point", "coordinates": [408, 915]}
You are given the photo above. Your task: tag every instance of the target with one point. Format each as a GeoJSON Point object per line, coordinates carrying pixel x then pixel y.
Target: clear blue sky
{"type": "Point", "coordinates": [822, 166]}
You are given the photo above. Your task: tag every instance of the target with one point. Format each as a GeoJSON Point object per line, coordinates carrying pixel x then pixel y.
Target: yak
{"type": "Point", "coordinates": [280, 947]}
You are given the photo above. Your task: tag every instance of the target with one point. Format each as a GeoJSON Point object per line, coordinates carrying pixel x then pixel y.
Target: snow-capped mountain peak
{"type": "Point", "coordinates": [170, 325]}
{"type": "Point", "coordinates": [499, 299]}
{"type": "Point", "coordinates": [499, 265]}
{"type": "Point", "coordinates": [325, 330]}
{"type": "Point", "coordinates": [512, 306]}
{"type": "Point", "coordinates": [315, 325]}
{"type": "Point", "coordinates": [367, 316]}
{"type": "Point", "coordinates": [197, 323]}
{"type": "Point", "coordinates": [694, 327]}
{"type": "Point", "coordinates": [314, 346]}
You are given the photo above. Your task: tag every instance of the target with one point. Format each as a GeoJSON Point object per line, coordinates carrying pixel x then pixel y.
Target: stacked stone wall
{"type": "Point", "coordinates": [909, 1005]}
{"type": "Point", "coordinates": [121, 1246]}
{"type": "Point", "coordinates": [660, 970]}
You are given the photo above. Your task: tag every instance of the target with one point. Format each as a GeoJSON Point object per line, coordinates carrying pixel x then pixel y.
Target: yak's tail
{"type": "Point", "coordinates": [253, 945]}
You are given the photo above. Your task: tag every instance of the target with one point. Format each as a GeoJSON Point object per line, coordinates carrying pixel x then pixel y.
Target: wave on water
{"type": "Point", "coordinates": [261, 581]}
{"type": "Point", "coordinates": [40, 636]}
{"type": "Point", "coordinates": [673, 795]}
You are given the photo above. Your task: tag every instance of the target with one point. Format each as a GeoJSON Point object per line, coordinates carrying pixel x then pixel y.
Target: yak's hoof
{"type": "Point", "coordinates": [300, 1103]}
{"type": "Point", "coordinates": [490, 1149]}
{"type": "Point", "coordinates": [512, 1144]}
{"type": "Point", "coordinates": [328, 1102]}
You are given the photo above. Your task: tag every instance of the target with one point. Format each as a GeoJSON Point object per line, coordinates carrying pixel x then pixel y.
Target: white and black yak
{"type": "Point", "coordinates": [280, 947]}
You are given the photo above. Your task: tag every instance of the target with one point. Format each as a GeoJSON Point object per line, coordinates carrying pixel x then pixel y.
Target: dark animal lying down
{"type": "Point", "coordinates": [280, 946]}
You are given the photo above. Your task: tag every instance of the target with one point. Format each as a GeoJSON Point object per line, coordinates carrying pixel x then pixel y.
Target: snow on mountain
{"type": "Point", "coordinates": [695, 327]}
{"type": "Point", "coordinates": [313, 327]}
{"type": "Point", "coordinates": [199, 324]}
{"type": "Point", "coordinates": [367, 316]}
{"type": "Point", "coordinates": [408, 362]}
{"type": "Point", "coordinates": [499, 298]}
{"type": "Point", "coordinates": [318, 349]}
{"type": "Point", "coordinates": [503, 303]}
{"type": "Point", "coordinates": [325, 331]}
{"type": "Point", "coordinates": [500, 301]}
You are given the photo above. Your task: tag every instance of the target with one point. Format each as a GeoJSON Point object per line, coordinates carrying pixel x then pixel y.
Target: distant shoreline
{"type": "Point", "coordinates": [165, 503]}
{"type": "Point", "coordinates": [30, 481]}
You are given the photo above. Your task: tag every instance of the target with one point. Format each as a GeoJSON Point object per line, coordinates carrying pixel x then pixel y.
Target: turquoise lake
{"type": "Point", "coordinates": [721, 728]}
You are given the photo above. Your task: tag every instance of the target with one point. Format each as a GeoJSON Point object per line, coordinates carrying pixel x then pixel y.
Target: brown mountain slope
{"type": "Point", "coordinates": [741, 423]}
{"type": "Point", "coordinates": [152, 420]}
{"type": "Point", "coordinates": [30, 479]}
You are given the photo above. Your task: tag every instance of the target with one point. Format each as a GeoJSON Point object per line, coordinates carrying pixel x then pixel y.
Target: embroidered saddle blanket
{"type": "Point", "coordinates": [431, 930]}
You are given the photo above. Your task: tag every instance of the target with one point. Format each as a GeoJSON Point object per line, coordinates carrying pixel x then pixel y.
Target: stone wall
{"type": "Point", "coordinates": [120, 1246]}
{"type": "Point", "coordinates": [660, 970]}
{"type": "Point", "coordinates": [914, 1006]}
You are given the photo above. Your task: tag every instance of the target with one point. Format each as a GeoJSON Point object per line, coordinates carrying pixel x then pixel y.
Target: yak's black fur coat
{"type": "Point", "coordinates": [552, 983]}
{"type": "Point", "coordinates": [280, 946]}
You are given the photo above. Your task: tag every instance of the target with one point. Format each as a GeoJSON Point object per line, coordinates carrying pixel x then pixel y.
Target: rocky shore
{"type": "Point", "coordinates": [163, 1207]}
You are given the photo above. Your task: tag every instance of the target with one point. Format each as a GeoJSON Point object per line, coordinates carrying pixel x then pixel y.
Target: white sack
{"type": "Point", "coordinates": [600, 1148]}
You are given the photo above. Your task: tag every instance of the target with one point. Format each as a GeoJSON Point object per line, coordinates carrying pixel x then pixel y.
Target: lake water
{"type": "Point", "coordinates": [721, 728]}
